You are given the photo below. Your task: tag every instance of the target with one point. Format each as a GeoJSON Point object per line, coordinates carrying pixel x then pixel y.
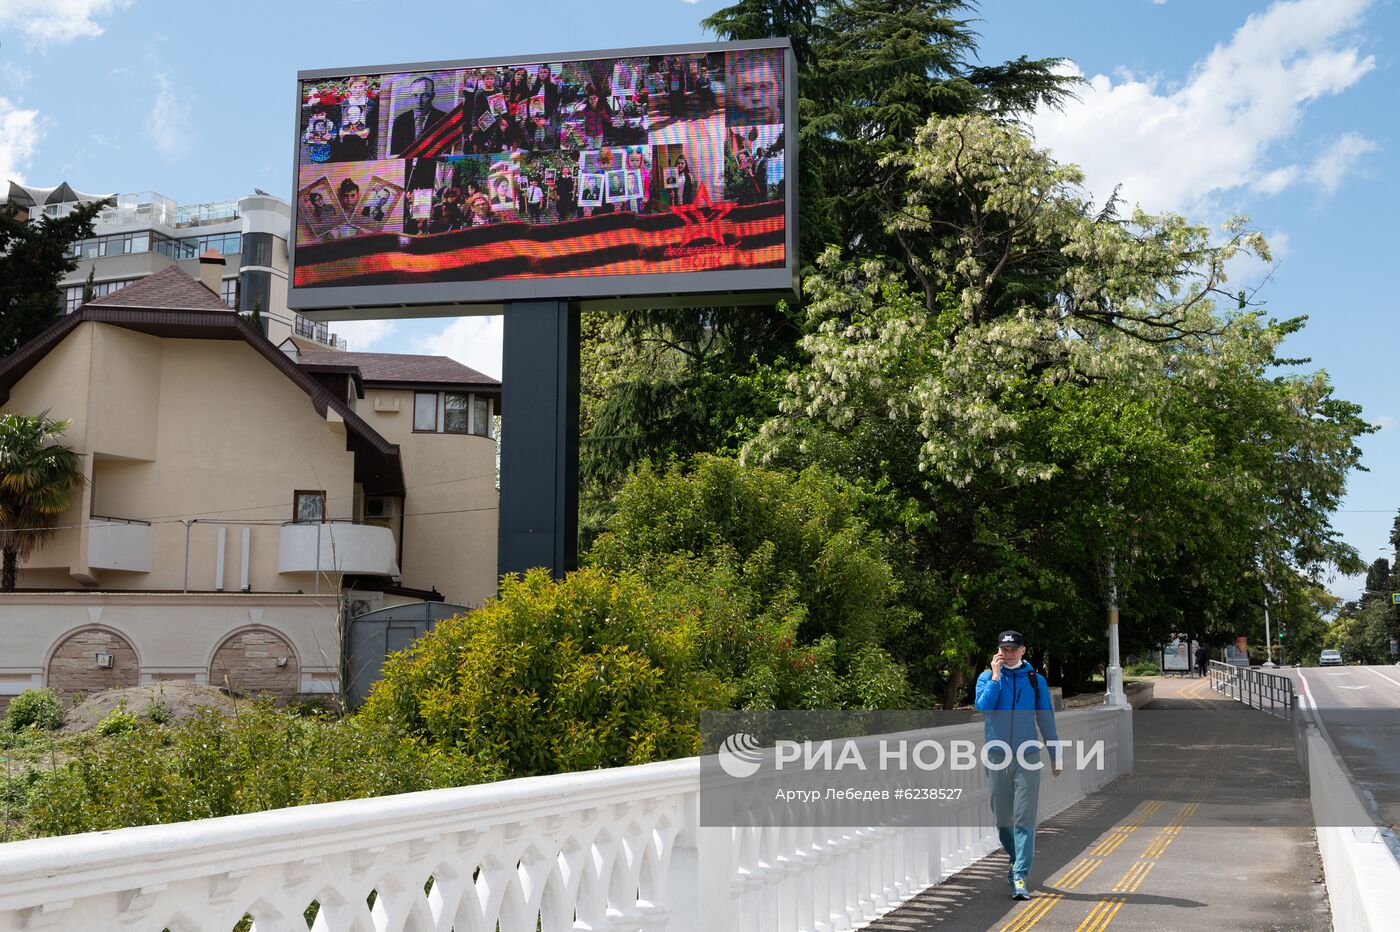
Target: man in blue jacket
{"type": "Point", "coordinates": [1016, 701]}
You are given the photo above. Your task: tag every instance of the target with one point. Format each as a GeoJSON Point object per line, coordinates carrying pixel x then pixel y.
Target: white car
{"type": "Point", "coordinates": [1330, 658]}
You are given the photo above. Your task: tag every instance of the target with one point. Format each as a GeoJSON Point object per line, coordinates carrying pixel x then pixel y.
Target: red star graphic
{"type": "Point", "coordinates": [705, 220]}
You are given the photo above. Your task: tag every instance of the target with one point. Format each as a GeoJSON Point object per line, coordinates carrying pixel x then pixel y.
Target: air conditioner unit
{"type": "Point", "coordinates": [104, 661]}
{"type": "Point", "coordinates": [360, 603]}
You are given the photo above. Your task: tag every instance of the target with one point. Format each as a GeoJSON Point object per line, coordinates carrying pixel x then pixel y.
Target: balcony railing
{"type": "Point", "coordinates": [316, 330]}
{"type": "Point", "coordinates": [119, 544]}
{"type": "Point", "coordinates": [619, 849]}
{"type": "Point", "coordinates": [337, 547]}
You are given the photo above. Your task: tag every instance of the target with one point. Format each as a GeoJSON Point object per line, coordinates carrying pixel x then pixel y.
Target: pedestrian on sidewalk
{"type": "Point", "coordinates": [1013, 776]}
{"type": "Point", "coordinates": [1202, 659]}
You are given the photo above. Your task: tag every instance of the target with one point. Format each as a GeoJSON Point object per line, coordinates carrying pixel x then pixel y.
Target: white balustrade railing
{"type": "Point", "coordinates": [619, 850]}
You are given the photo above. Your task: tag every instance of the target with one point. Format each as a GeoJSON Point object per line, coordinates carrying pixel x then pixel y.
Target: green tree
{"type": "Point", "coordinates": [870, 74]}
{"type": "Point", "coordinates": [1058, 398]}
{"type": "Point", "coordinates": [89, 285]}
{"type": "Point", "coordinates": [37, 479]}
{"type": "Point", "coordinates": [255, 316]}
{"type": "Point", "coordinates": [34, 258]}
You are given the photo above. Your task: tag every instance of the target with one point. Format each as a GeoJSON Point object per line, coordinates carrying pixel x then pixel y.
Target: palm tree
{"type": "Point", "coordinates": [37, 478]}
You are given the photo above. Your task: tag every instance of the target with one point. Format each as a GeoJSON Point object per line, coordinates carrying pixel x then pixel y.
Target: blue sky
{"type": "Point", "coordinates": [1284, 111]}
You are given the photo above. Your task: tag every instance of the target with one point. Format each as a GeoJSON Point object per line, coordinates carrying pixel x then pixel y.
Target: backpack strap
{"type": "Point", "coordinates": [1035, 687]}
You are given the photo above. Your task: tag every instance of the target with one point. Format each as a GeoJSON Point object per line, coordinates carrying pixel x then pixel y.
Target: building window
{"type": "Point", "coordinates": [257, 249]}
{"type": "Point", "coordinates": [456, 413]}
{"type": "Point", "coordinates": [226, 244]}
{"type": "Point", "coordinates": [73, 294]}
{"type": "Point", "coordinates": [452, 413]}
{"type": "Point", "coordinates": [481, 415]}
{"type": "Point", "coordinates": [229, 292]}
{"type": "Point", "coordinates": [425, 410]}
{"type": "Point", "coordinates": [309, 506]}
{"type": "Point", "coordinates": [256, 287]}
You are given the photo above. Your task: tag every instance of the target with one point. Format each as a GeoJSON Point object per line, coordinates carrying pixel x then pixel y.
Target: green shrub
{"type": "Point", "coordinates": [34, 708]}
{"type": "Point", "coordinates": [594, 671]}
{"type": "Point", "coordinates": [1142, 668]}
{"type": "Point", "coordinates": [795, 600]}
{"type": "Point", "coordinates": [118, 722]}
{"type": "Point", "coordinates": [158, 712]}
{"type": "Point", "coordinates": [212, 765]}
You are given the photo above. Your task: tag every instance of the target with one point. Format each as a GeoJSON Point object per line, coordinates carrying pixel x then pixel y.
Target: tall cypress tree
{"type": "Point", "coordinates": [33, 260]}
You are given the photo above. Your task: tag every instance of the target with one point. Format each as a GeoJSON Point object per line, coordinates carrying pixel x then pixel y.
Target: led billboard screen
{"type": "Point", "coordinates": [633, 172]}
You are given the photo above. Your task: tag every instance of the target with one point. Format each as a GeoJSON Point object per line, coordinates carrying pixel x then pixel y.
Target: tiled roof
{"type": "Point", "coordinates": [169, 289]}
{"type": "Point", "coordinates": [401, 367]}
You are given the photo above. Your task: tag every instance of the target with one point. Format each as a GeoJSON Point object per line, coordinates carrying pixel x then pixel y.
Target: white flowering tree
{"type": "Point", "coordinates": [1042, 393]}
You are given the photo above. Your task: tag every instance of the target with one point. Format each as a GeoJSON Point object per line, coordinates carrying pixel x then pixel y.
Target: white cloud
{"type": "Point", "coordinates": [1384, 422]}
{"type": "Point", "coordinates": [362, 334]}
{"type": "Point", "coordinates": [19, 132]}
{"type": "Point", "coordinates": [1182, 147]}
{"type": "Point", "coordinates": [54, 22]}
{"type": "Point", "coordinates": [168, 122]}
{"type": "Point", "coordinates": [15, 76]}
{"type": "Point", "coordinates": [1338, 160]}
{"type": "Point", "coordinates": [472, 341]}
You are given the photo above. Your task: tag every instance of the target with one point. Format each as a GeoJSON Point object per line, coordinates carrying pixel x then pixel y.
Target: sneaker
{"type": "Point", "coordinates": [1019, 891]}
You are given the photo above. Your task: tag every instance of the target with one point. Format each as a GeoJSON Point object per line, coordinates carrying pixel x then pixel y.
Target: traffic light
{"type": "Point", "coordinates": [1282, 630]}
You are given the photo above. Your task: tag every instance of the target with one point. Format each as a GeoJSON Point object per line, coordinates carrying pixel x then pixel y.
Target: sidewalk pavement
{"type": "Point", "coordinates": [1138, 856]}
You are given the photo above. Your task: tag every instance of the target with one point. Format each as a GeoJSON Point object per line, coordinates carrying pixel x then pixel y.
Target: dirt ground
{"type": "Point", "coordinates": [181, 700]}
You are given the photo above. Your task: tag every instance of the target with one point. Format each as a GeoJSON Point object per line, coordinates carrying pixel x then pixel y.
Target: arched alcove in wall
{"type": "Point", "coordinates": [91, 659]}
{"type": "Point", "coordinates": [256, 660]}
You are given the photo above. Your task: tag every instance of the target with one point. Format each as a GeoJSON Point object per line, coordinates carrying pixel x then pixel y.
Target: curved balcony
{"type": "Point", "coordinates": [337, 547]}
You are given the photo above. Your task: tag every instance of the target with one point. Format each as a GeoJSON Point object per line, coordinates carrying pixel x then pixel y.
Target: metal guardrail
{"type": "Point", "coordinates": [1274, 693]}
{"type": "Point", "coordinates": [1270, 692]}
{"type": "Point", "coordinates": [120, 520]}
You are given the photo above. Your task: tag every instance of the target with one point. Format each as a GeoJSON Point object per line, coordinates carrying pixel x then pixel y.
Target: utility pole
{"type": "Point", "coordinates": [187, 523]}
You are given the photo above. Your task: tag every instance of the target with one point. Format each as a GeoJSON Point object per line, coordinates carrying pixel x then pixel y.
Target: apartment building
{"type": "Point", "coordinates": [142, 233]}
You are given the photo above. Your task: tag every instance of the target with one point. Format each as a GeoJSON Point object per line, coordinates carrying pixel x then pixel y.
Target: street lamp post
{"type": "Point", "coordinates": [1268, 636]}
{"type": "Point", "coordinates": [1113, 675]}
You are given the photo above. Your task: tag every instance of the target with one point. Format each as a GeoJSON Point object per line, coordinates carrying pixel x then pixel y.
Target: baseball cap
{"type": "Point", "coordinates": [1010, 639]}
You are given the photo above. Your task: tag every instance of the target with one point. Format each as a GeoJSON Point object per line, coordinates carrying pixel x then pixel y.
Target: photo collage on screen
{"type": "Point", "coordinates": [547, 144]}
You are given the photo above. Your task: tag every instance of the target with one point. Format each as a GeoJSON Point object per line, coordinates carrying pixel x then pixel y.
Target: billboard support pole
{"type": "Point", "coordinates": [539, 437]}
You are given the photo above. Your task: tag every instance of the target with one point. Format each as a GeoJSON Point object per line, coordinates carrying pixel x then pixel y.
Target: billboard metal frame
{"type": "Point", "coordinates": [444, 299]}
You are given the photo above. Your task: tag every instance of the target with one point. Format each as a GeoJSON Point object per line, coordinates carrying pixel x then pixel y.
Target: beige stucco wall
{"type": "Point", "coordinates": [124, 392]}
{"type": "Point", "coordinates": [450, 508]}
{"type": "Point", "coordinates": [179, 429]}
{"type": "Point", "coordinates": [174, 636]}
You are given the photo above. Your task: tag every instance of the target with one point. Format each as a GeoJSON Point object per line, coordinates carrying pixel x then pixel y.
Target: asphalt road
{"type": "Point", "coordinates": [1359, 708]}
{"type": "Point", "coordinates": [1211, 831]}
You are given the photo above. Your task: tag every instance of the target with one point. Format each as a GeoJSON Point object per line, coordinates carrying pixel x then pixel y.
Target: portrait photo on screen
{"type": "Point", "coordinates": [421, 114]}
{"type": "Point", "coordinates": [607, 166]}
{"type": "Point", "coordinates": [685, 89]}
{"type": "Point", "coordinates": [755, 87]}
{"type": "Point", "coordinates": [361, 191]}
{"type": "Point", "coordinates": [318, 207]}
{"type": "Point", "coordinates": [754, 170]}
{"type": "Point", "coordinates": [382, 205]}
{"type": "Point", "coordinates": [590, 192]}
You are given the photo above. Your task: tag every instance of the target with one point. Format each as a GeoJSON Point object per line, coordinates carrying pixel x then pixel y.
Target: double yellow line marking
{"type": "Point", "coordinates": [1102, 914]}
{"type": "Point", "coordinates": [1130, 881]}
{"type": "Point", "coordinates": [1033, 913]}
